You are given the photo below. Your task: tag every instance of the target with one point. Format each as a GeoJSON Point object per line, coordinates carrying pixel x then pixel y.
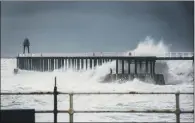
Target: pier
{"type": "Point", "coordinates": [127, 67]}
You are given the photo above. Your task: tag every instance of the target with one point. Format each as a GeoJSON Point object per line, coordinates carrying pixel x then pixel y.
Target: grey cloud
{"type": "Point", "coordinates": [95, 26]}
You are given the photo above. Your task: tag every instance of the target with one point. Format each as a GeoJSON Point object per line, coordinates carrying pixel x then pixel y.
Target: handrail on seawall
{"type": "Point", "coordinates": [71, 110]}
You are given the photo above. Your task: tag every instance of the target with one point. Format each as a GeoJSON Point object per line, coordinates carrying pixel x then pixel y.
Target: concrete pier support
{"type": "Point", "coordinates": [69, 63]}
{"type": "Point", "coordinates": [123, 71]}
{"type": "Point", "coordinates": [65, 64]}
{"type": "Point", "coordinates": [45, 64]}
{"type": "Point", "coordinates": [140, 66]}
{"type": "Point", "coordinates": [52, 64]}
{"type": "Point", "coordinates": [135, 67]}
{"type": "Point", "coordinates": [151, 68]}
{"type": "Point", "coordinates": [86, 63]}
{"type": "Point", "coordinates": [90, 60]}
{"type": "Point", "coordinates": [55, 63]}
{"type": "Point", "coordinates": [82, 64]}
{"type": "Point", "coordinates": [95, 63]}
{"type": "Point", "coordinates": [62, 63]}
{"type": "Point", "coordinates": [40, 62]}
{"type": "Point", "coordinates": [73, 63]}
{"type": "Point", "coordinates": [146, 67]}
{"type": "Point", "coordinates": [49, 64]}
{"type": "Point", "coordinates": [116, 66]}
{"type": "Point", "coordinates": [78, 64]}
{"type": "Point", "coordinates": [129, 66]}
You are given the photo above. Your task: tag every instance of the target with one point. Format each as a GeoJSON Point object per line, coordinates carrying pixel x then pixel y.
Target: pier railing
{"type": "Point", "coordinates": [71, 110]}
{"type": "Point", "coordinates": [165, 54]}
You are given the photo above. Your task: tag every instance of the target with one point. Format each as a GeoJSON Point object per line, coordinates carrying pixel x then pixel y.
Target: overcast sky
{"type": "Point", "coordinates": [94, 26]}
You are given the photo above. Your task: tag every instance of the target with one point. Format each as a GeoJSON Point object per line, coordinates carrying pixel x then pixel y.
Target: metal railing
{"type": "Point", "coordinates": [71, 110]}
{"type": "Point", "coordinates": [179, 54]}
{"type": "Point", "coordinates": [166, 54]}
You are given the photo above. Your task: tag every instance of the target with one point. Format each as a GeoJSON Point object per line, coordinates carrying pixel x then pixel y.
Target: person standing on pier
{"type": "Point", "coordinates": [26, 44]}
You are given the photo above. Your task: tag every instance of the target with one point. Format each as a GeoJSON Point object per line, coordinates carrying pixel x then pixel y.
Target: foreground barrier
{"type": "Point", "coordinates": [71, 110]}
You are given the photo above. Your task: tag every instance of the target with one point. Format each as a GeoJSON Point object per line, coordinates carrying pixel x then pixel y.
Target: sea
{"type": "Point", "coordinates": [178, 77]}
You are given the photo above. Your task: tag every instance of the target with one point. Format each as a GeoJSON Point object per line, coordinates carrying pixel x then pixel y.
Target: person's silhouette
{"type": "Point", "coordinates": [26, 44]}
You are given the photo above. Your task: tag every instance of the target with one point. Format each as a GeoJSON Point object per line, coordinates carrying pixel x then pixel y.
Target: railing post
{"type": "Point", "coordinates": [177, 108]}
{"type": "Point", "coordinates": [55, 102]}
{"type": "Point", "coordinates": [71, 112]}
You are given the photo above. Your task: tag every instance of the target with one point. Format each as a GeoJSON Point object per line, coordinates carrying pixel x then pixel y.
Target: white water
{"type": "Point", "coordinates": [178, 76]}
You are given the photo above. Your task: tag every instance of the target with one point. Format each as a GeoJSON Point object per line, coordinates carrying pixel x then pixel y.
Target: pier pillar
{"type": "Point", "coordinates": [72, 63]}
{"type": "Point", "coordinates": [75, 64]}
{"type": "Point", "coordinates": [28, 62]}
{"type": "Point", "coordinates": [78, 64]}
{"type": "Point", "coordinates": [65, 64]}
{"type": "Point", "coordinates": [41, 64]}
{"type": "Point", "coordinates": [140, 66]}
{"type": "Point", "coordinates": [25, 63]}
{"type": "Point", "coordinates": [45, 64]}
{"type": "Point", "coordinates": [34, 64]}
{"type": "Point", "coordinates": [31, 66]}
{"type": "Point", "coordinates": [90, 60]}
{"type": "Point", "coordinates": [62, 63]}
{"type": "Point", "coordinates": [55, 63]}
{"type": "Point", "coordinates": [86, 63]}
{"type": "Point", "coordinates": [38, 64]}
{"type": "Point", "coordinates": [116, 66]}
{"type": "Point", "coordinates": [146, 66]}
{"type": "Point", "coordinates": [123, 66]}
{"type": "Point", "coordinates": [22, 63]}
{"type": "Point", "coordinates": [52, 64]}
{"type": "Point", "coordinates": [18, 63]}
{"type": "Point", "coordinates": [69, 63]}
{"type": "Point", "coordinates": [129, 66]}
{"type": "Point", "coordinates": [95, 62]}
{"type": "Point", "coordinates": [151, 68]}
{"type": "Point", "coordinates": [103, 60]}
{"type": "Point", "coordinates": [135, 67]}
{"type": "Point", "coordinates": [82, 64]}
{"type": "Point", "coordinates": [100, 61]}
{"type": "Point", "coordinates": [49, 62]}
{"type": "Point", "coordinates": [59, 63]}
